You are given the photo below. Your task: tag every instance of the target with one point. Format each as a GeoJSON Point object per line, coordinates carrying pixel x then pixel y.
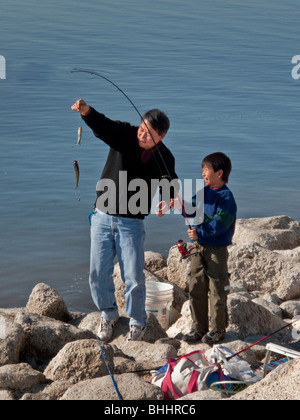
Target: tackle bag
{"type": "Point", "coordinates": [186, 374]}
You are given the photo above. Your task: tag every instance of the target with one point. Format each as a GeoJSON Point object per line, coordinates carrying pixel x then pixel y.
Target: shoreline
{"type": "Point", "coordinates": [43, 344]}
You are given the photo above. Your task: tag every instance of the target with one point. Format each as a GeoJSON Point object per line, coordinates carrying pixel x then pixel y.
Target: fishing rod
{"type": "Point", "coordinates": [259, 341]}
{"type": "Point", "coordinates": [106, 364]}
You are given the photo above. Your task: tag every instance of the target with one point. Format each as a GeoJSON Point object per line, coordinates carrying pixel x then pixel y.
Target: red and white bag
{"type": "Point", "coordinates": [186, 374]}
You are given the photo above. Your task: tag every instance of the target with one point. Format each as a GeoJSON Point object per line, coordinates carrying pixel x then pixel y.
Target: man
{"type": "Point", "coordinates": [137, 156]}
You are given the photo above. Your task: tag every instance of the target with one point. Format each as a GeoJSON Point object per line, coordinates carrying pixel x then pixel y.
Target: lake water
{"type": "Point", "coordinates": [220, 70]}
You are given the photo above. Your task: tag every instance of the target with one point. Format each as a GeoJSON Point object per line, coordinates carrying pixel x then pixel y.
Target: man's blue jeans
{"type": "Point", "coordinates": [122, 237]}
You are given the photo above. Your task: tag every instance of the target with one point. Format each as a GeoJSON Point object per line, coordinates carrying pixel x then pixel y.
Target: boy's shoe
{"type": "Point", "coordinates": [105, 331]}
{"type": "Point", "coordinates": [136, 333]}
{"type": "Point", "coordinates": [193, 336]}
{"type": "Point", "coordinates": [214, 337]}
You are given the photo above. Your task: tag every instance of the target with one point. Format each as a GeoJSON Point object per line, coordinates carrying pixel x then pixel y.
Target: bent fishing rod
{"type": "Point", "coordinates": [95, 73]}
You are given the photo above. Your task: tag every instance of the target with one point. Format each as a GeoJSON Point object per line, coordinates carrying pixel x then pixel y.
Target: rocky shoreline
{"type": "Point", "coordinates": [49, 353]}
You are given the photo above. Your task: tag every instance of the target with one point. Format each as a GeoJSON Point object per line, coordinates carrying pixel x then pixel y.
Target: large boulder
{"type": "Point", "coordinates": [129, 386]}
{"type": "Point", "coordinates": [11, 340]}
{"type": "Point", "coordinates": [179, 270]}
{"type": "Point", "coordinates": [45, 337]}
{"type": "Point", "coordinates": [46, 301]}
{"type": "Point", "coordinates": [247, 318]}
{"type": "Point", "coordinates": [20, 377]}
{"type": "Point", "coordinates": [79, 361]}
{"type": "Point", "coordinates": [277, 232]}
{"type": "Point", "coordinates": [261, 270]}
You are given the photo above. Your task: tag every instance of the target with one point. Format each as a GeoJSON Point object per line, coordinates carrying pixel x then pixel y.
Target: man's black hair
{"type": "Point", "coordinates": [158, 121]}
{"type": "Point", "coordinates": [219, 161]}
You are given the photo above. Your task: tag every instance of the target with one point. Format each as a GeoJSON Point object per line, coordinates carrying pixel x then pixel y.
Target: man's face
{"type": "Point", "coordinates": [145, 138]}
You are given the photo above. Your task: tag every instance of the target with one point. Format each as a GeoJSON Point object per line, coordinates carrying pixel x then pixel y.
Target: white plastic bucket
{"type": "Point", "coordinates": [159, 299]}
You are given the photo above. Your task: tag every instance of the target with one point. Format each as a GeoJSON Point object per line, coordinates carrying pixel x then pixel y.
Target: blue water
{"type": "Point", "coordinates": [220, 70]}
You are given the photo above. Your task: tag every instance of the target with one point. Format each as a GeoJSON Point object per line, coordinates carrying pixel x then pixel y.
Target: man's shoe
{"type": "Point", "coordinates": [193, 336]}
{"type": "Point", "coordinates": [136, 333]}
{"type": "Point", "coordinates": [105, 331]}
{"type": "Point", "coordinates": [214, 337]}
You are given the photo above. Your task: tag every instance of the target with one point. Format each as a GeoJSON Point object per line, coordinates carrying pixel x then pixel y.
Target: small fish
{"type": "Point", "coordinates": [76, 170]}
{"type": "Point", "coordinates": [79, 136]}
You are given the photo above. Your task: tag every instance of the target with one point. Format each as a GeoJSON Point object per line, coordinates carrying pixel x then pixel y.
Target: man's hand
{"type": "Point", "coordinates": [81, 106]}
{"type": "Point", "coordinates": [193, 234]}
{"type": "Point", "coordinates": [175, 204]}
{"type": "Point", "coordinates": [163, 208]}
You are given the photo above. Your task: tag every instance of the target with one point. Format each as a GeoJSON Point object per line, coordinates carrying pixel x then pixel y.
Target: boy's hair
{"type": "Point", "coordinates": [219, 161]}
{"type": "Point", "coordinates": [158, 121]}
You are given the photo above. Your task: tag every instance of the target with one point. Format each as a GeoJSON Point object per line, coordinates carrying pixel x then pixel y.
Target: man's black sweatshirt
{"type": "Point", "coordinates": [131, 175]}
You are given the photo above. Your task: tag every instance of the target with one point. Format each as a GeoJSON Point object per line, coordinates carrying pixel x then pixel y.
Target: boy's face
{"type": "Point", "coordinates": [212, 179]}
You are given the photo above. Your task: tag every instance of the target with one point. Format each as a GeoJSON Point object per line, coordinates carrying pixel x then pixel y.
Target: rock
{"type": "Point", "coordinates": [291, 254]}
{"type": "Point", "coordinates": [129, 385]}
{"type": "Point", "coordinates": [155, 354]}
{"type": "Point", "coordinates": [6, 395]}
{"type": "Point", "coordinates": [270, 306]}
{"type": "Point", "coordinates": [291, 308]}
{"type": "Point", "coordinates": [265, 287]}
{"type": "Point", "coordinates": [46, 301]}
{"type": "Point", "coordinates": [178, 269]}
{"type": "Point", "coordinates": [11, 340]}
{"type": "Point", "coordinates": [272, 298]}
{"type": "Point", "coordinates": [48, 392]}
{"type": "Point", "coordinates": [183, 324]}
{"type": "Point", "coordinates": [88, 322]}
{"type": "Point", "coordinates": [154, 261]}
{"type": "Point", "coordinates": [125, 365]}
{"type": "Point", "coordinates": [283, 383]}
{"type": "Point", "coordinates": [20, 377]}
{"type": "Point", "coordinates": [273, 233]}
{"type": "Point", "coordinates": [45, 337]}
{"type": "Point", "coordinates": [259, 269]}
{"type": "Point", "coordinates": [246, 318]}
{"type": "Point", "coordinates": [207, 395]}
{"type": "Point", "coordinates": [80, 360]}
{"type": "Point", "coordinates": [154, 330]}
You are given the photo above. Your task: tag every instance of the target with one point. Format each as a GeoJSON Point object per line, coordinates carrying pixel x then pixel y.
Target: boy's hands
{"type": "Point", "coordinates": [193, 234]}
{"type": "Point", "coordinates": [163, 207]}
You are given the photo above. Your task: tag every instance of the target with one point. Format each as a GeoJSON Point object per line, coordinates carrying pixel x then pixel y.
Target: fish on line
{"type": "Point", "coordinates": [76, 171]}
{"type": "Point", "coordinates": [79, 134]}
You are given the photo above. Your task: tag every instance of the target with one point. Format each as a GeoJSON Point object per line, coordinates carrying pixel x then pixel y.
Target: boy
{"type": "Point", "coordinates": [209, 273]}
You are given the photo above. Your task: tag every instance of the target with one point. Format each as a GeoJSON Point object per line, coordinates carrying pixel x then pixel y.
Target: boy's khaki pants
{"type": "Point", "coordinates": [207, 289]}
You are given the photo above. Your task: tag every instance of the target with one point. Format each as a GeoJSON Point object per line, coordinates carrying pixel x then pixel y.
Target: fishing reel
{"type": "Point", "coordinates": [184, 251]}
